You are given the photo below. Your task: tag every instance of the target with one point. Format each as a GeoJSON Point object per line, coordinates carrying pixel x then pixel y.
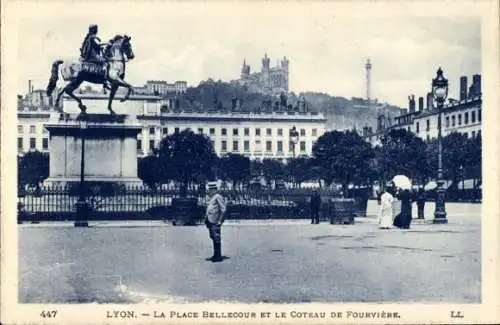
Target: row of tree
{"type": "Point", "coordinates": [338, 157]}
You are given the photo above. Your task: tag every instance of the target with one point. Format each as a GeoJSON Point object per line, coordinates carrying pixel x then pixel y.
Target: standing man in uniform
{"type": "Point", "coordinates": [214, 218]}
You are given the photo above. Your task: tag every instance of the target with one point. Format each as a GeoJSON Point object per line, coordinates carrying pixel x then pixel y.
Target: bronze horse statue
{"type": "Point", "coordinates": [117, 52]}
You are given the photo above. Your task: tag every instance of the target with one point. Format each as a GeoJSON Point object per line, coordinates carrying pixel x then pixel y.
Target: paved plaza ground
{"type": "Point", "coordinates": [274, 261]}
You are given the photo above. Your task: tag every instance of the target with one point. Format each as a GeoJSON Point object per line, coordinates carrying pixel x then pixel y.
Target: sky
{"type": "Point", "coordinates": [327, 52]}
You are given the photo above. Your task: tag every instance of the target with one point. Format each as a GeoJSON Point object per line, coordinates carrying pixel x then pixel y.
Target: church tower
{"type": "Point", "coordinates": [245, 71]}
{"type": "Point", "coordinates": [265, 63]}
{"type": "Point", "coordinates": [285, 63]}
{"type": "Point", "coordinates": [265, 80]}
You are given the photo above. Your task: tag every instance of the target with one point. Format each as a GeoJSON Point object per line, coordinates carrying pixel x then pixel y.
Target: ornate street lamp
{"type": "Point", "coordinates": [294, 139]}
{"type": "Point", "coordinates": [462, 177]}
{"type": "Point", "coordinates": [82, 206]}
{"type": "Point", "coordinates": [440, 92]}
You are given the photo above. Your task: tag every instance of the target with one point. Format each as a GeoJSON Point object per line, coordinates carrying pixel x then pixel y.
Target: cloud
{"type": "Point", "coordinates": [326, 53]}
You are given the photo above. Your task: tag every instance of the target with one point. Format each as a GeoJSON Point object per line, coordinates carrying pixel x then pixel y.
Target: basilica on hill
{"type": "Point", "coordinates": [269, 81]}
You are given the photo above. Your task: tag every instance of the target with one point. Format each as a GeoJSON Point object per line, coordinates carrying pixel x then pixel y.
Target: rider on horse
{"type": "Point", "coordinates": [91, 46]}
{"type": "Point", "coordinates": [92, 52]}
{"type": "Point", "coordinates": [107, 69]}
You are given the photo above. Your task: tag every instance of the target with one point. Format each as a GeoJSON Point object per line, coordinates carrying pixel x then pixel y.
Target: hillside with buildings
{"type": "Point", "coordinates": [220, 96]}
{"type": "Point", "coordinates": [212, 95]}
{"type": "Point", "coordinates": [351, 113]}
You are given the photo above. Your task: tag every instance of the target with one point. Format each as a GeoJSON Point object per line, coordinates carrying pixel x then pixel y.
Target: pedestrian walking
{"type": "Point", "coordinates": [386, 202]}
{"type": "Point", "coordinates": [403, 220]}
{"type": "Point", "coordinates": [315, 206]}
{"type": "Point", "coordinates": [214, 218]}
{"type": "Point", "coordinates": [420, 203]}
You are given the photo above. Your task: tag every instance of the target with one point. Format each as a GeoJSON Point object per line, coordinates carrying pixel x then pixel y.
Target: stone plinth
{"type": "Point", "coordinates": [110, 149]}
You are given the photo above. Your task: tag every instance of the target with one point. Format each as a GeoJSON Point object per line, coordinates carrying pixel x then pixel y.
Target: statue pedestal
{"type": "Point", "coordinates": [110, 149]}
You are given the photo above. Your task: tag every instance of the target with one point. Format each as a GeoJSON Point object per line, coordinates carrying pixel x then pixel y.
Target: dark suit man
{"type": "Point", "coordinates": [315, 206]}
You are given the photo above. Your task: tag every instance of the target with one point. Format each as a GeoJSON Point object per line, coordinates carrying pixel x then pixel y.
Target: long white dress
{"type": "Point", "coordinates": [386, 210]}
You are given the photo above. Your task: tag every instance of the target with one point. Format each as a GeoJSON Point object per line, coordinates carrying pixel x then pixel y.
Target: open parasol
{"type": "Point", "coordinates": [402, 182]}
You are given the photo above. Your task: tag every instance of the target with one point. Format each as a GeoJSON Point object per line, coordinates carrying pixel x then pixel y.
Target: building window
{"type": "Point", "coordinates": [200, 130]}
{"type": "Point", "coordinates": [280, 146]}
{"type": "Point", "coordinates": [418, 127]}
{"type": "Point", "coordinates": [428, 125]}
{"type": "Point", "coordinates": [447, 121]}
{"type": "Point", "coordinates": [453, 120]}
{"type": "Point", "coordinates": [20, 144]}
{"type": "Point", "coordinates": [314, 132]}
{"type": "Point", "coordinates": [235, 131]}
{"type": "Point", "coordinates": [280, 132]}
{"type": "Point", "coordinates": [257, 146]}
{"type": "Point", "coordinates": [428, 138]}
{"type": "Point", "coordinates": [473, 117]}
{"type": "Point", "coordinates": [257, 132]}
{"type": "Point", "coordinates": [479, 133]}
{"type": "Point", "coordinates": [466, 118]}
{"type": "Point", "coordinates": [212, 143]}
{"type": "Point", "coordinates": [479, 115]}
{"type": "Point", "coordinates": [246, 145]}
{"type": "Point", "coordinates": [246, 132]}
{"type": "Point", "coordinates": [176, 130]}
{"type": "Point", "coordinates": [459, 119]}
{"type": "Point", "coordinates": [302, 132]}
{"type": "Point", "coordinates": [151, 131]}
{"type": "Point", "coordinates": [223, 145]}
{"type": "Point", "coordinates": [269, 146]}
{"type": "Point", "coordinates": [223, 131]}
{"type": "Point", "coordinates": [269, 132]}
{"type": "Point", "coordinates": [45, 143]}
{"type": "Point", "coordinates": [302, 146]}
{"type": "Point", "coordinates": [235, 146]}
{"type": "Point", "coordinates": [32, 129]}
{"type": "Point", "coordinates": [20, 129]}
{"type": "Point", "coordinates": [165, 131]}
{"type": "Point", "coordinates": [151, 144]}
{"type": "Point", "coordinates": [212, 131]}
{"type": "Point", "coordinates": [32, 143]}
{"type": "Point", "coordinates": [139, 144]}
{"type": "Point", "coordinates": [473, 134]}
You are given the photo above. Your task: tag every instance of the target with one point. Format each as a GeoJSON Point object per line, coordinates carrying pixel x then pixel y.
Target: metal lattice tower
{"type": "Point", "coordinates": [368, 68]}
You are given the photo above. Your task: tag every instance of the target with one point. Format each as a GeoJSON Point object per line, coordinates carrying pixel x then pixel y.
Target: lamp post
{"type": "Point", "coordinates": [462, 176]}
{"type": "Point", "coordinates": [82, 205]}
{"type": "Point", "coordinates": [294, 139]}
{"type": "Point", "coordinates": [440, 92]}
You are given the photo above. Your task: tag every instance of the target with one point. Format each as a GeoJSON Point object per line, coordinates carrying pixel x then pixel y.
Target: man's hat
{"type": "Point", "coordinates": [93, 26]}
{"type": "Point", "coordinates": [212, 185]}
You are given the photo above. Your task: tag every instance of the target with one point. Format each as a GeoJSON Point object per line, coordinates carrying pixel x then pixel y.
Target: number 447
{"type": "Point", "coordinates": [48, 313]}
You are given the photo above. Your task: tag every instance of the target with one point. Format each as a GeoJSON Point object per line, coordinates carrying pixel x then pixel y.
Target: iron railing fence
{"type": "Point", "coordinates": [139, 202]}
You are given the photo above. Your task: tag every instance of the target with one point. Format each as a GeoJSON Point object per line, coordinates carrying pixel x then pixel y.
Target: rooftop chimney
{"type": "Point", "coordinates": [463, 88]}
{"type": "Point", "coordinates": [411, 103]}
{"type": "Point", "coordinates": [430, 101]}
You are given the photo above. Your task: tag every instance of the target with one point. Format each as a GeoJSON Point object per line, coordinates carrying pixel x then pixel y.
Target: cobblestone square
{"type": "Point", "coordinates": [269, 261]}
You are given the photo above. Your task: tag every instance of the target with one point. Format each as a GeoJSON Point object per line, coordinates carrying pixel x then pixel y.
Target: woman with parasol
{"type": "Point", "coordinates": [403, 184]}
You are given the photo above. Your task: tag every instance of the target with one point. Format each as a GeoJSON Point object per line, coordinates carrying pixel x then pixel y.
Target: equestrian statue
{"type": "Point", "coordinates": [99, 64]}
